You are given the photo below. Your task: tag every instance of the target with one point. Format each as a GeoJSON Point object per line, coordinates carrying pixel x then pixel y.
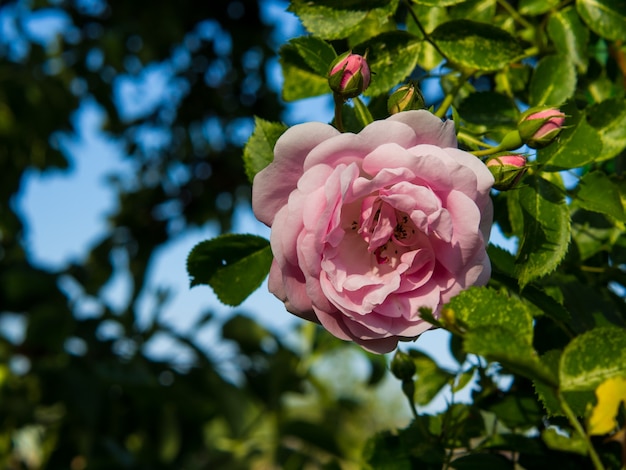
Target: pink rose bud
{"type": "Point", "coordinates": [507, 170]}
{"type": "Point", "coordinates": [349, 75]}
{"type": "Point", "coordinates": [405, 98]}
{"type": "Point", "coordinates": [538, 127]}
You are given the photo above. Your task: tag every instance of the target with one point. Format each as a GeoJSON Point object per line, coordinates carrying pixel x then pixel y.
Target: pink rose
{"type": "Point", "coordinates": [369, 227]}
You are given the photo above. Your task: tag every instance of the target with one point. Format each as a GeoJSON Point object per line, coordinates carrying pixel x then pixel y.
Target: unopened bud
{"type": "Point", "coordinates": [507, 170]}
{"type": "Point", "coordinates": [405, 98]}
{"type": "Point", "coordinates": [349, 75]}
{"type": "Point", "coordinates": [402, 366]}
{"type": "Point", "coordinates": [538, 127]}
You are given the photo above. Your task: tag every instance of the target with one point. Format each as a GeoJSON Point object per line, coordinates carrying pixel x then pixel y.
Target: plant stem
{"type": "Point", "coordinates": [597, 463]}
{"type": "Point", "coordinates": [449, 98]}
{"type": "Point", "coordinates": [338, 112]}
{"type": "Point", "coordinates": [514, 14]}
{"type": "Point", "coordinates": [422, 30]}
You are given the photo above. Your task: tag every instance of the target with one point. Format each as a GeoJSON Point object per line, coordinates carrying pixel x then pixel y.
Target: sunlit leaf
{"type": "Point", "coordinates": [607, 18]}
{"type": "Point", "coordinates": [610, 394]}
{"type": "Point", "coordinates": [476, 45]}
{"type": "Point", "coordinates": [553, 81]}
{"type": "Point", "coordinates": [259, 150]}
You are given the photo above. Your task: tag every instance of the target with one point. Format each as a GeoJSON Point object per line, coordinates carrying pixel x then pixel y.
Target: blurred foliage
{"type": "Point", "coordinates": [80, 392]}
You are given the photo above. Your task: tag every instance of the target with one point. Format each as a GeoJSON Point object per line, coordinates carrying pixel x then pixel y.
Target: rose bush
{"type": "Point", "coordinates": [368, 228]}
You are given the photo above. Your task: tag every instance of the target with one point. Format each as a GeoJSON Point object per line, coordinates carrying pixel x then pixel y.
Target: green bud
{"type": "Point", "coordinates": [402, 366]}
{"type": "Point", "coordinates": [507, 170]}
{"type": "Point", "coordinates": [405, 98]}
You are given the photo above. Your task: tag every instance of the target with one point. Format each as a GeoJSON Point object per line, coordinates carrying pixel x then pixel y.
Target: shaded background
{"type": "Point", "coordinates": [121, 128]}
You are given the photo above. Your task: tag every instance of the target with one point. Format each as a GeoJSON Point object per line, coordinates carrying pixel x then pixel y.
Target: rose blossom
{"type": "Point", "coordinates": [368, 228]}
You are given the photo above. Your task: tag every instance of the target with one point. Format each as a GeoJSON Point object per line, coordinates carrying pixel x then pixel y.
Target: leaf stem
{"type": "Point", "coordinates": [422, 30]}
{"type": "Point", "coordinates": [597, 463]}
{"type": "Point", "coordinates": [449, 98]}
{"type": "Point", "coordinates": [514, 14]}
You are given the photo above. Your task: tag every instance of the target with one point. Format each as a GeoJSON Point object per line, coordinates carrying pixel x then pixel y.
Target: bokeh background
{"type": "Point", "coordinates": [121, 132]}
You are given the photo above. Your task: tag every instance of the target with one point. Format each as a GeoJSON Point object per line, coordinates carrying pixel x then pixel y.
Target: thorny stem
{"type": "Point", "coordinates": [597, 463]}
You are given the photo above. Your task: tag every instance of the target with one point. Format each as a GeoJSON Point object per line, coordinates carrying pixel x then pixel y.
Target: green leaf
{"type": "Point", "coordinates": [392, 57]}
{"type": "Point", "coordinates": [234, 265]}
{"type": "Point", "coordinates": [609, 119]}
{"type": "Point", "coordinates": [546, 229]}
{"type": "Point", "coordinates": [557, 441]}
{"type": "Point", "coordinates": [438, 3]}
{"type": "Point", "coordinates": [577, 145]}
{"type": "Point", "coordinates": [477, 10]}
{"type": "Point", "coordinates": [570, 36]}
{"type": "Point", "coordinates": [591, 358]}
{"type": "Point", "coordinates": [476, 45]}
{"type": "Point", "coordinates": [518, 411]}
{"type": "Point", "coordinates": [301, 81]}
{"type": "Point", "coordinates": [597, 192]}
{"type": "Point", "coordinates": [482, 462]}
{"type": "Point", "coordinates": [429, 17]}
{"type": "Point", "coordinates": [259, 150]}
{"type": "Point", "coordinates": [606, 18]}
{"type": "Point", "coordinates": [336, 20]}
{"type": "Point", "coordinates": [430, 378]}
{"type": "Point", "coordinates": [536, 7]}
{"type": "Point", "coordinates": [316, 52]}
{"type": "Point", "coordinates": [489, 109]}
{"type": "Point", "coordinates": [553, 81]}
{"type": "Point", "coordinates": [247, 333]}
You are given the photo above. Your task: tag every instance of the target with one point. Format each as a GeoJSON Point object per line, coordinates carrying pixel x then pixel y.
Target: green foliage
{"type": "Point", "coordinates": [259, 150]}
{"type": "Point", "coordinates": [233, 265]}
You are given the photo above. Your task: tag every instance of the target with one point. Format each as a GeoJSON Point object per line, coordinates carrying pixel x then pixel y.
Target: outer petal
{"type": "Point", "coordinates": [428, 128]}
{"type": "Point", "coordinates": [272, 185]}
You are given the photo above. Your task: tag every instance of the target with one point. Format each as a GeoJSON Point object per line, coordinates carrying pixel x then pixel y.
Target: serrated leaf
{"type": "Point", "coordinates": [570, 36]}
{"type": "Point", "coordinates": [234, 265]}
{"type": "Point", "coordinates": [553, 81]}
{"type": "Point", "coordinates": [337, 20]}
{"type": "Point", "coordinates": [392, 57]}
{"type": "Point", "coordinates": [259, 150]}
{"type": "Point", "coordinates": [301, 81]}
{"type": "Point", "coordinates": [591, 358]}
{"type": "Point", "coordinates": [606, 18]}
{"type": "Point", "coordinates": [597, 192]}
{"type": "Point", "coordinates": [609, 119]}
{"type": "Point", "coordinates": [476, 45]}
{"type": "Point", "coordinates": [316, 52]}
{"type": "Point", "coordinates": [546, 229]}
{"type": "Point", "coordinates": [577, 145]}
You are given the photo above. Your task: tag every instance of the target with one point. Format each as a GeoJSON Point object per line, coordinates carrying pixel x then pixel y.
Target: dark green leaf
{"type": "Point", "coordinates": [593, 357]}
{"type": "Point", "coordinates": [483, 462]}
{"type": "Point", "coordinates": [577, 145]}
{"type": "Point", "coordinates": [438, 3]}
{"type": "Point", "coordinates": [476, 45]}
{"type": "Point", "coordinates": [570, 36]}
{"type": "Point", "coordinates": [609, 119]}
{"type": "Point", "coordinates": [597, 192]}
{"type": "Point", "coordinates": [606, 18]}
{"type": "Point", "coordinates": [391, 57]}
{"type": "Point", "coordinates": [489, 109]}
{"type": "Point", "coordinates": [553, 81]}
{"type": "Point", "coordinates": [234, 265]}
{"type": "Point", "coordinates": [430, 378]}
{"type": "Point", "coordinates": [259, 150]}
{"type": "Point", "coordinates": [316, 52]}
{"type": "Point", "coordinates": [546, 229]}
{"type": "Point", "coordinates": [429, 17]}
{"type": "Point", "coordinates": [518, 411]}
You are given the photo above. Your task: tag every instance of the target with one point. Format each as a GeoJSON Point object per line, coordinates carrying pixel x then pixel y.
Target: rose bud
{"type": "Point", "coordinates": [405, 98]}
{"type": "Point", "coordinates": [507, 170]}
{"type": "Point", "coordinates": [402, 366]}
{"type": "Point", "coordinates": [349, 75]}
{"type": "Point", "coordinates": [538, 127]}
